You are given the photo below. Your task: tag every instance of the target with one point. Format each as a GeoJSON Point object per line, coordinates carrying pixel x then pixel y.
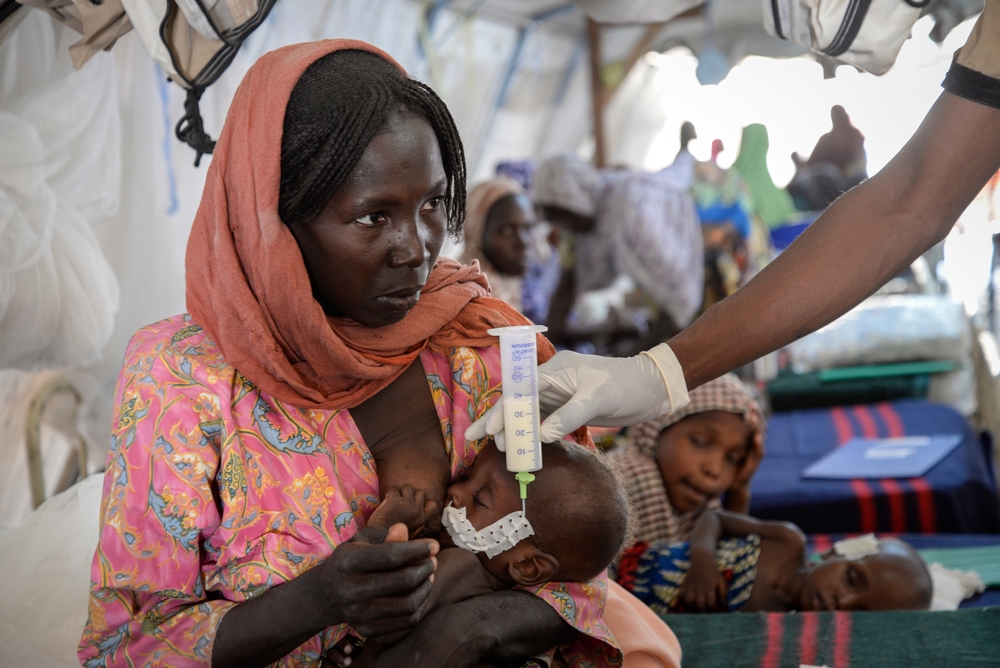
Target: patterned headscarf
{"type": "Point", "coordinates": [481, 200]}
{"type": "Point", "coordinates": [569, 183]}
{"type": "Point", "coordinates": [647, 493]}
{"type": "Point", "coordinates": [727, 394]}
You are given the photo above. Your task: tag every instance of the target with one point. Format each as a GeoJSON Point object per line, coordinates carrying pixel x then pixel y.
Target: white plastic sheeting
{"type": "Point", "coordinates": [46, 577]}
{"type": "Point", "coordinates": [899, 328]}
{"type": "Point", "coordinates": [59, 176]}
{"type": "Point", "coordinates": [888, 329]}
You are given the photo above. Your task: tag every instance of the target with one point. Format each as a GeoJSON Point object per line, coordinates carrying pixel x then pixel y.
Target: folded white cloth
{"type": "Point", "coordinates": [951, 586]}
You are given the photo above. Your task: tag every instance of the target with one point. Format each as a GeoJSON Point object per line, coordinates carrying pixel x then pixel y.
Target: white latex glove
{"type": "Point", "coordinates": [575, 389]}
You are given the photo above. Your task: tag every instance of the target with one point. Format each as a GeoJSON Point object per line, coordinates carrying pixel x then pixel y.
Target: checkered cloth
{"type": "Point", "coordinates": [647, 494]}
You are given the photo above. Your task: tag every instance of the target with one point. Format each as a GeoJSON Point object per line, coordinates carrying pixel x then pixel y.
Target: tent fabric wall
{"type": "Point", "coordinates": [139, 191]}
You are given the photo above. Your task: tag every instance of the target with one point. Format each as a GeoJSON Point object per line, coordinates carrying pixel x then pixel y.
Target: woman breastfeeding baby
{"type": "Point", "coordinates": [328, 357]}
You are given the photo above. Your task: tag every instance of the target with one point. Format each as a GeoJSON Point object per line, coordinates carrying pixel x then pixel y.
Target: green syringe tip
{"type": "Point", "coordinates": [523, 477]}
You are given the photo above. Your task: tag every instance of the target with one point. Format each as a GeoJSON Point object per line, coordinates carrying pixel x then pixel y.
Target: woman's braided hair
{"type": "Point", "coordinates": [337, 106]}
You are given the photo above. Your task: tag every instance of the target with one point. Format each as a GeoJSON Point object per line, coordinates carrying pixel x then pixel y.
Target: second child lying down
{"type": "Point", "coordinates": [736, 563]}
{"type": "Point", "coordinates": [577, 522]}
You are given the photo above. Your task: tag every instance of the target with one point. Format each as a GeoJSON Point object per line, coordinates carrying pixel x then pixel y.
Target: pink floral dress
{"type": "Point", "coordinates": [216, 492]}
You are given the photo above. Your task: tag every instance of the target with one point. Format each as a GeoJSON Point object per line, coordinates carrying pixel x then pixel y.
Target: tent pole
{"type": "Point", "coordinates": [597, 90]}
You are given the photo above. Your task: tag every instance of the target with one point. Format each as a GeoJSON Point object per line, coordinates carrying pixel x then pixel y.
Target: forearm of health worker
{"type": "Point", "coordinates": [864, 239]}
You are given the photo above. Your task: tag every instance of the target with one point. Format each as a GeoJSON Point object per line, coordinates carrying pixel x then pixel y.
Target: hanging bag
{"type": "Point", "coordinates": [194, 41]}
{"type": "Point", "coordinates": [864, 33]}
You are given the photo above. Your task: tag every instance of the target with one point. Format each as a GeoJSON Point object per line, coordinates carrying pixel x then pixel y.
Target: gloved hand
{"type": "Point", "coordinates": [575, 389]}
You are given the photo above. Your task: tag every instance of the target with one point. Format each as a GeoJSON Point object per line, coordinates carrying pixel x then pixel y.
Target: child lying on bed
{"type": "Point", "coordinates": [679, 465]}
{"type": "Point", "coordinates": [735, 563]}
{"type": "Point", "coordinates": [577, 509]}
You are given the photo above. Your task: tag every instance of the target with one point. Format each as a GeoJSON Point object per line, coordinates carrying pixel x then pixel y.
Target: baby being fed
{"type": "Point", "coordinates": [577, 521]}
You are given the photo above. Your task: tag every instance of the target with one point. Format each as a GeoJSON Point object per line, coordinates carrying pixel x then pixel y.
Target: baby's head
{"type": "Point", "coordinates": [701, 449]}
{"type": "Point", "coordinates": [576, 505]}
{"type": "Point", "coordinates": [894, 578]}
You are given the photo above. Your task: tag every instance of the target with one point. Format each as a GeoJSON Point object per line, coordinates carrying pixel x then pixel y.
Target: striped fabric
{"type": "Point", "coordinates": [839, 639]}
{"type": "Point", "coordinates": [958, 495]}
{"type": "Point", "coordinates": [892, 489]}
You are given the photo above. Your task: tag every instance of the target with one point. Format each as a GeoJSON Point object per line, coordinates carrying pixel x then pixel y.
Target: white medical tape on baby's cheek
{"type": "Point", "coordinates": [498, 537]}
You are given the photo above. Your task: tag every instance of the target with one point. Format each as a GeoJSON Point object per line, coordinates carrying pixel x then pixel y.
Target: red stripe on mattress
{"type": "Point", "coordinates": [925, 504]}
{"type": "Point", "coordinates": [807, 639]}
{"type": "Point", "coordinates": [893, 424]}
{"type": "Point", "coordinates": [775, 631]}
{"type": "Point", "coordinates": [868, 427]}
{"type": "Point", "coordinates": [862, 490]}
{"type": "Point", "coordinates": [897, 510]}
{"type": "Point", "coordinates": [842, 424]}
{"type": "Point", "coordinates": [925, 494]}
{"type": "Point", "coordinates": [842, 639]}
{"type": "Point", "coordinates": [821, 542]}
{"type": "Point", "coordinates": [866, 503]}
{"type": "Point", "coordinates": [866, 500]}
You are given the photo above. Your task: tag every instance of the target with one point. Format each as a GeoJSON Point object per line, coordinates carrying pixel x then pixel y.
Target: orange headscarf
{"type": "Point", "coordinates": [247, 283]}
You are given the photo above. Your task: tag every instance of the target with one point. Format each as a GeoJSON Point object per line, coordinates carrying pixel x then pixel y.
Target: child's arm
{"type": "Point", "coordinates": [723, 523]}
{"type": "Point", "coordinates": [704, 588]}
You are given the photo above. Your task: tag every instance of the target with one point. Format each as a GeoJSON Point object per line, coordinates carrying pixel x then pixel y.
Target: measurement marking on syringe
{"type": "Point", "coordinates": [519, 427]}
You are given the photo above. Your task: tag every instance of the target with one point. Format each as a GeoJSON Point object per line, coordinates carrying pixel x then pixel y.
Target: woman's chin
{"type": "Point", "coordinates": [380, 318]}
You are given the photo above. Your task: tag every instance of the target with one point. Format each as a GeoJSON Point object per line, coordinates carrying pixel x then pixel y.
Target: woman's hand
{"type": "Point", "coordinates": [704, 588]}
{"type": "Point", "coordinates": [376, 588]}
{"type": "Point", "coordinates": [502, 627]}
{"type": "Point", "coordinates": [379, 589]}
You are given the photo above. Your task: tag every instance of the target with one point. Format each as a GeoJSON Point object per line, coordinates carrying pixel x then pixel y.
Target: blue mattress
{"type": "Point", "coordinates": [958, 495]}
{"type": "Point", "coordinates": [990, 597]}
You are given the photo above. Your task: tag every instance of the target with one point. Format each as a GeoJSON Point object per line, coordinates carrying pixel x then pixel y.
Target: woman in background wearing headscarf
{"type": "Point", "coordinates": [658, 242]}
{"type": "Point", "coordinates": [737, 245]}
{"type": "Point", "coordinates": [771, 203]}
{"type": "Point", "coordinates": [838, 163]}
{"type": "Point", "coordinates": [497, 234]}
{"type": "Point", "coordinates": [568, 192]}
{"type": "Point", "coordinates": [624, 222]}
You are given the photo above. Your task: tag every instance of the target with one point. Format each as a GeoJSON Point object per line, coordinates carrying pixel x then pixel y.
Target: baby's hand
{"type": "Point", "coordinates": [406, 505]}
{"type": "Point", "coordinates": [704, 588]}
